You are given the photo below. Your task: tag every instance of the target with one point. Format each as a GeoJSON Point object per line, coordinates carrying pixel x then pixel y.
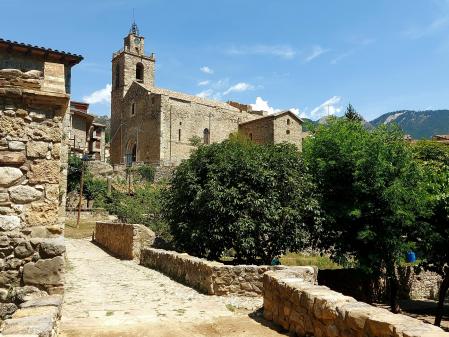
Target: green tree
{"type": "Point", "coordinates": [255, 199]}
{"type": "Point", "coordinates": [95, 190]}
{"type": "Point", "coordinates": [352, 114]}
{"type": "Point", "coordinates": [75, 165]}
{"type": "Point", "coordinates": [434, 236]}
{"type": "Point", "coordinates": [371, 194]}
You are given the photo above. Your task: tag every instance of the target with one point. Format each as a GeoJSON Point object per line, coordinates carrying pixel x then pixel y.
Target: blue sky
{"type": "Point", "coordinates": [314, 56]}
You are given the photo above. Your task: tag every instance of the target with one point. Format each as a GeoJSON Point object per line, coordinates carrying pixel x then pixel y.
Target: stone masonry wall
{"type": "Point", "coordinates": [215, 278]}
{"type": "Point", "coordinates": [312, 310]}
{"type": "Point", "coordinates": [31, 241]}
{"type": "Point", "coordinates": [123, 240]}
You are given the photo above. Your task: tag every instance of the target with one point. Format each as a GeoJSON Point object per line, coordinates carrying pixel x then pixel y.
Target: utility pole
{"type": "Point", "coordinates": [83, 160]}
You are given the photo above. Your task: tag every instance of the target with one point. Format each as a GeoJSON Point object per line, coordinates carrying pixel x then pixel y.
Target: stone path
{"type": "Point", "coordinates": [106, 296]}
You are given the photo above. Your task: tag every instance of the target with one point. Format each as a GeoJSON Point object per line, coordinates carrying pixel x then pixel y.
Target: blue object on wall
{"type": "Point", "coordinates": [411, 257]}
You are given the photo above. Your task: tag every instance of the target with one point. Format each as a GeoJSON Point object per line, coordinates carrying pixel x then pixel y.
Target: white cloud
{"type": "Point", "coordinates": [317, 51]}
{"type": "Point", "coordinates": [262, 105]}
{"type": "Point", "coordinates": [205, 93]}
{"type": "Point", "coordinates": [276, 50]}
{"type": "Point", "coordinates": [207, 70]}
{"type": "Point", "coordinates": [239, 87]}
{"type": "Point", "coordinates": [99, 96]}
{"type": "Point", "coordinates": [330, 107]}
{"type": "Point", "coordinates": [423, 31]}
{"type": "Point", "coordinates": [203, 83]}
{"type": "Point", "coordinates": [342, 56]}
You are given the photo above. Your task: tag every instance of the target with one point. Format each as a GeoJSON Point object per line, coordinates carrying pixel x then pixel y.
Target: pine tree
{"type": "Point", "coordinates": [352, 114]}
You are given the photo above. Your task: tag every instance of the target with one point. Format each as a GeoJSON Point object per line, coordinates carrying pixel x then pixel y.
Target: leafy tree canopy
{"type": "Point", "coordinates": [255, 199]}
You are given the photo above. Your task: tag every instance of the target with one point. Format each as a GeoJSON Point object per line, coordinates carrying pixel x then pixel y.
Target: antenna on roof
{"type": "Point", "coordinates": [134, 29]}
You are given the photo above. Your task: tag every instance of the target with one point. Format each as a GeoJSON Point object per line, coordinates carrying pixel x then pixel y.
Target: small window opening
{"type": "Point", "coordinates": [180, 123]}
{"type": "Point", "coordinates": [179, 135]}
{"type": "Point", "coordinates": [288, 121]}
{"type": "Point", "coordinates": [139, 72]}
{"type": "Point", "coordinates": [287, 132]}
{"type": "Point", "coordinates": [251, 136]}
{"type": "Point", "coordinates": [206, 136]}
{"type": "Point", "coordinates": [133, 109]}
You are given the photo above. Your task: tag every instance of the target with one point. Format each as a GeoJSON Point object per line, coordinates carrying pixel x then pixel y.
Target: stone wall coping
{"type": "Point", "coordinates": [305, 308]}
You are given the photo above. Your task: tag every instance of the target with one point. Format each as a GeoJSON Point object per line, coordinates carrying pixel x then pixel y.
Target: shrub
{"type": "Point", "coordinates": [147, 172]}
{"type": "Point", "coordinates": [255, 199]}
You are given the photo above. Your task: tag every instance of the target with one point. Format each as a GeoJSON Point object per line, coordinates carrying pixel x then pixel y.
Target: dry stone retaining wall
{"type": "Point", "coordinates": [123, 240]}
{"type": "Point", "coordinates": [215, 278]}
{"type": "Point", "coordinates": [311, 310]}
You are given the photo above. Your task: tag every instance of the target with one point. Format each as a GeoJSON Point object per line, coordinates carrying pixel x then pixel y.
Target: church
{"type": "Point", "coordinates": [156, 126]}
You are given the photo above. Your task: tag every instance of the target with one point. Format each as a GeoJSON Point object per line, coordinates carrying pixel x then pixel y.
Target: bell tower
{"type": "Point", "coordinates": [129, 65]}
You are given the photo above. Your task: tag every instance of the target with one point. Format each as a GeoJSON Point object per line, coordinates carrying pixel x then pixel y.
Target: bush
{"type": "Point", "coordinates": [144, 207]}
{"type": "Point", "coordinates": [147, 172]}
{"type": "Point", "coordinates": [75, 165]}
{"type": "Point", "coordinates": [255, 199]}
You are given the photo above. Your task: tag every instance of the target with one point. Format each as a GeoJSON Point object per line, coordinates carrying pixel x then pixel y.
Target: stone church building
{"type": "Point", "coordinates": [154, 125]}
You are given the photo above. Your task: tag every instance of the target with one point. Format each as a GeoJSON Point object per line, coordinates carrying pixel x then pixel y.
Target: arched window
{"type": "Point", "coordinates": [206, 136]}
{"type": "Point", "coordinates": [117, 76]}
{"type": "Point", "coordinates": [139, 72]}
{"type": "Point", "coordinates": [288, 121]}
{"type": "Point", "coordinates": [134, 153]}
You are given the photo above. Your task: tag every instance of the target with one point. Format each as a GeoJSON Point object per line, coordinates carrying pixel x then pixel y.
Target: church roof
{"type": "Point", "coordinates": [276, 115]}
{"type": "Point", "coordinates": [188, 98]}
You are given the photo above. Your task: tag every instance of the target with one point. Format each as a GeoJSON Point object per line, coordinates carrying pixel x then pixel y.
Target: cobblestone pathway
{"type": "Point", "coordinates": [106, 296]}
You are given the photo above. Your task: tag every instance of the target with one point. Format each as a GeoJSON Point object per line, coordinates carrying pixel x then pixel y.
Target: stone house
{"type": "Point", "coordinates": [84, 134]}
{"type": "Point", "coordinates": [34, 100]}
{"type": "Point", "coordinates": [154, 125]}
{"type": "Point", "coordinates": [444, 139]}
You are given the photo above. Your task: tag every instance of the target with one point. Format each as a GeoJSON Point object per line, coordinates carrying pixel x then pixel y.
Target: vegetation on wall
{"type": "Point", "coordinates": [257, 200]}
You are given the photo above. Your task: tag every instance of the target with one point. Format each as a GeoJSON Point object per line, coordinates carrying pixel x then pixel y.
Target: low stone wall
{"type": "Point", "coordinates": [123, 240]}
{"type": "Point", "coordinates": [215, 278]}
{"type": "Point", "coordinates": [311, 310]}
{"type": "Point", "coordinates": [352, 282]}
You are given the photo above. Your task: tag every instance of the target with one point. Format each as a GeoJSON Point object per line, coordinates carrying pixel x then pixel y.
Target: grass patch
{"type": "Point", "coordinates": [298, 259]}
{"type": "Point", "coordinates": [85, 229]}
{"type": "Point", "coordinates": [231, 308]}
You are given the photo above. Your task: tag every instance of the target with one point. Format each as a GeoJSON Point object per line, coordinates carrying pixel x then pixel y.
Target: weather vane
{"type": "Point", "coordinates": [134, 29]}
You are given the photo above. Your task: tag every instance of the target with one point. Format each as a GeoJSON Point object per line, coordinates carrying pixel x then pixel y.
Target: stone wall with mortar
{"type": "Point", "coordinates": [351, 282]}
{"type": "Point", "coordinates": [32, 106]}
{"type": "Point", "coordinates": [215, 278]}
{"type": "Point", "coordinates": [125, 241]}
{"type": "Point", "coordinates": [312, 310]}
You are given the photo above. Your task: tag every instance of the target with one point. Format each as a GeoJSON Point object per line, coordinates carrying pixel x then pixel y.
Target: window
{"type": "Point", "coordinates": [117, 76]}
{"type": "Point", "coordinates": [179, 135]}
{"type": "Point", "coordinates": [133, 109]}
{"type": "Point", "coordinates": [139, 72]}
{"type": "Point", "coordinates": [180, 123]}
{"type": "Point", "coordinates": [206, 136]}
{"type": "Point", "coordinates": [251, 136]}
{"type": "Point", "coordinates": [288, 121]}
{"type": "Point", "coordinates": [134, 153]}
{"type": "Point", "coordinates": [287, 132]}
{"type": "Point", "coordinates": [98, 132]}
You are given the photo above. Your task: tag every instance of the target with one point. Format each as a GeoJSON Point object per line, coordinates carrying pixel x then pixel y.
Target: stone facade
{"type": "Point", "coordinates": [123, 240]}
{"type": "Point", "coordinates": [311, 310]}
{"type": "Point", "coordinates": [85, 136]}
{"type": "Point", "coordinates": [280, 127]}
{"type": "Point", "coordinates": [34, 98]}
{"type": "Point", "coordinates": [215, 278]}
{"type": "Point", "coordinates": [156, 126]}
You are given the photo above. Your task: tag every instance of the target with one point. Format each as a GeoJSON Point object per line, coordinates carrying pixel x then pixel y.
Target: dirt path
{"type": "Point", "coordinates": [106, 296]}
